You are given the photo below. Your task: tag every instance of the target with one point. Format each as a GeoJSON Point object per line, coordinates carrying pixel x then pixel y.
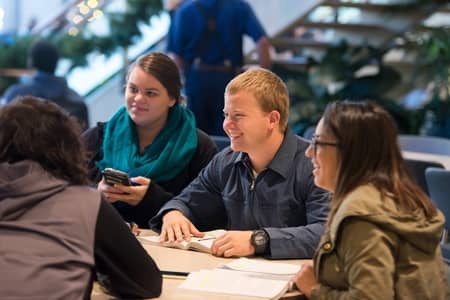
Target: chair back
{"type": "Point", "coordinates": [221, 141]}
{"type": "Point", "coordinates": [438, 181]}
{"type": "Point", "coordinates": [424, 144]}
{"type": "Point", "coordinates": [309, 132]}
{"type": "Point", "coordinates": [417, 169]}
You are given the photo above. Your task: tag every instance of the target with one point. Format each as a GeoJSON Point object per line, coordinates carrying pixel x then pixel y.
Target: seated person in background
{"type": "Point", "coordinates": [43, 56]}
{"type": "Point", "coordinates": [382, 237]}
{"type": "Point", "coordinates": [153, 139]}
{"type": "Point", "coordinates": [56, 234]}
{"type": "Point", "coordinates": [261, 189]}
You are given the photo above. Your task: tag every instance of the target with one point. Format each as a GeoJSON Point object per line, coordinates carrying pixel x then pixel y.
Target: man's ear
{"type": "Point", "coordinates": [274, 119]}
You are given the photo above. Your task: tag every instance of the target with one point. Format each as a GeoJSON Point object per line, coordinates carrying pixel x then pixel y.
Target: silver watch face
{"type": "Point", "coordinates": [260, 239]}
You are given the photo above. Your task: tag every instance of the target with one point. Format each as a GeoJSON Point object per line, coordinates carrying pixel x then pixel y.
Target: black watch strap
{"type": "Point", "coordinates": [260, 241]}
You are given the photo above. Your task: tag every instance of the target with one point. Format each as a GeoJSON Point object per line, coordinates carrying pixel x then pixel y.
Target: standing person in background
{"type": "Point", "coordinates": [382, 236]}
{"type": "Point", "coordinates": [43, 57]}
{"type": "Point", "coordinates": [170, 6]}
{"type": "Point", "coordinates": [153, 138]}
{"type": "Point", "coordinates": [206, 42]}
{"type": "Point", "coordinates": [56, 234]}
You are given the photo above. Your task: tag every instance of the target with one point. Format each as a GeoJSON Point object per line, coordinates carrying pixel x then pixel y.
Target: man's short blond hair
{"type": "Point", "coordinates": [268, 89]}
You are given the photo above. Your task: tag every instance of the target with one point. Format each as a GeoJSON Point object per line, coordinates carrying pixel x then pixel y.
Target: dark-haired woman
{"type": "Point", "coordinates": [56, 234]}
{"type": "Point", "coordinates": [153, 138]}
{"type": "Point", "coordinates": [382, 236]}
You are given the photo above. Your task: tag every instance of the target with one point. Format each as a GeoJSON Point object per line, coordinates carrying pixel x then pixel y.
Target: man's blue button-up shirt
{"type": "Point", "coordinates": [282, 199]}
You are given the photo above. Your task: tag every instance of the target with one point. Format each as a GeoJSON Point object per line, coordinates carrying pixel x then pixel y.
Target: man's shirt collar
{"type": "Point", "coordinates": [282, 161]}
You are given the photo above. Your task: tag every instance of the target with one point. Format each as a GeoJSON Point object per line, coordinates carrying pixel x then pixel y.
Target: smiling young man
{"type": "Point", "coordinates": [260, 189]}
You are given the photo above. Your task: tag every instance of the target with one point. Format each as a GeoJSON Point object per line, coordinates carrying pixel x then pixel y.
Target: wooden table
{"type": "Point", "coordinates": [170, 259]}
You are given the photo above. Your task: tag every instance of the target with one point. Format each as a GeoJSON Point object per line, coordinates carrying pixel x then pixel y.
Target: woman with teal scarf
{"type": "Point", "coordinates": [153, 138]}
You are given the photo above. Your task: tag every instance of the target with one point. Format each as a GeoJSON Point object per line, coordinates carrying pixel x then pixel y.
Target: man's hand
{"type": "Point", "coordinates": [305, 280]}
{"type": "Point", "coordinates": [132, 195]}
{"type": "Point", "coordinates": [233, 243]}
{"type": "Point", "coordinates": [176, 227]}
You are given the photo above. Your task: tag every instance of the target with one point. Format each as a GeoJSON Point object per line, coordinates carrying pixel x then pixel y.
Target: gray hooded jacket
{"type": "Point", "coordinates": [46, 233]}
{"type": "Point", "coordinates": [54, 237]}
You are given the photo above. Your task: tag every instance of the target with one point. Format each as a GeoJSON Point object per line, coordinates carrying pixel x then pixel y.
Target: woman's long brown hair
{"type": "Point", "coordinates": [368, 153]}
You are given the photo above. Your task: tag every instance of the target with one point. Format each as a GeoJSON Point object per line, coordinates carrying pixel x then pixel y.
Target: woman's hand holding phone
{"type": "Point", "coordinates": [132, 194]}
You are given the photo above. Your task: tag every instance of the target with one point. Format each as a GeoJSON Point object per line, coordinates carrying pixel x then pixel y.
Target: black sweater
{"type": "Point", "coordinates": [121, 264]}
{"type": "Point", "coordinates": [158, 193]}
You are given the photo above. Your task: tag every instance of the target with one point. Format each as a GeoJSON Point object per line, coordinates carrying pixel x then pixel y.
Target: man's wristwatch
{"type": "Point", "coordinates": [260, 241]}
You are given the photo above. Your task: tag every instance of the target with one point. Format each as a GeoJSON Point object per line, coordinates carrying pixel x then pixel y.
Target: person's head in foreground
{"type": "Point", "coordinates": [382, 235]}
{"type": "Point", "coordinates": [39, 130]}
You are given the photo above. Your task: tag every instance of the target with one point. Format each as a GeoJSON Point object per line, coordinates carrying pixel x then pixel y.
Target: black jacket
{"type": "Point", "coordinates": [158, 193]}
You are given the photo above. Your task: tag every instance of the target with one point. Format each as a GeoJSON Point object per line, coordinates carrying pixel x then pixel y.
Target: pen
{"type": "Point", "coordinates": [173, 277]}
{"type": "Point", "coordinates": [205, 239]}
{"type": "Point", "coordinates": [174, 273]}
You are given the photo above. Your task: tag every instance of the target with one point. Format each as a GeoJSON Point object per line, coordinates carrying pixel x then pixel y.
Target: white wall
{"type": "Point", "coordinates": [18, 13]}
{"type": "Point", "coordinates": [276, 14]}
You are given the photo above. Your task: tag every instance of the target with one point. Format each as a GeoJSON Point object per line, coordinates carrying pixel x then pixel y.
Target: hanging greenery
{"type": "Point", "coordinates": [432, 67]}
{"type": "Point", "coordinates": [335, 77]}
{"type": "Point", "coordinates": [13, 56]}
{"type": "Point", "coordinates": [124, 30]}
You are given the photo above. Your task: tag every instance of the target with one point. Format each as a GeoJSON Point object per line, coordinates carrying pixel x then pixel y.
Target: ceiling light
{"type": "Point", "coordinates": [77, 19]}
{"type": "Point", "coordinates": [92, 3]}
{"type": "Point", "coordinates": [73, 31]}
{"type": "Point", "coordinates": [83, 8]}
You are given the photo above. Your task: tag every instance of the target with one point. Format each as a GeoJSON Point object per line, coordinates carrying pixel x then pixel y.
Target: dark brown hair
{"type": "Point", "coordinates": [39, 130]}
{"type": "Point", "coordinates": [164, 69]}
{"type": "Point", "coordinates": [368, 153]}
{"type": "Point", "coordinates": [43, 56]}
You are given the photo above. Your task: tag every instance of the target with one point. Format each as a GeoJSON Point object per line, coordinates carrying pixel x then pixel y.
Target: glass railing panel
{"type": "Point", "coordinates": [100, 67]}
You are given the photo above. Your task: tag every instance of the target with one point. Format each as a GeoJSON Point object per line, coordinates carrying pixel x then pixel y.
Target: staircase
{"type": "Point", "coordinates": [358, 22]}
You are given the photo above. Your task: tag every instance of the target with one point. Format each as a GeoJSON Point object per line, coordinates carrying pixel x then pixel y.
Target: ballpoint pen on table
{"type": "Point", "coordinates": [206, 238]}
{"type": "Point", "coordinates": [174, 275]}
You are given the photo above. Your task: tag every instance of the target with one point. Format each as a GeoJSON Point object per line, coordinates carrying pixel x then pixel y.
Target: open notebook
{"type": "Point", "coordinates": [244, 277]}
{"type": "Point", "coordinates": [202, 244]}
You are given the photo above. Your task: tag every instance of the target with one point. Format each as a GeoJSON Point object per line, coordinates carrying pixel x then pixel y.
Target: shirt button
{"type": "Point", "coordinates": [326, 246]}
{"type": "Point", "coordinates": [337, 269]}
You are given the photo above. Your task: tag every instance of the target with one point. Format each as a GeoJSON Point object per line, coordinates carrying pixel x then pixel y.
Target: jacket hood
{"type": "Point", "coordinates": [23, 185]}
{"type": "Point", "coordinates": [414, 227]}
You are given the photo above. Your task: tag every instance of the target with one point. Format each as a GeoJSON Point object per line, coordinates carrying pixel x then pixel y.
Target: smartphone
{"type": "Point", "coordinates": [113, 176]}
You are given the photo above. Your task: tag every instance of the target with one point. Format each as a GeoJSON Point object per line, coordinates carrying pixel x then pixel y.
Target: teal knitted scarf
{"type": "Point", "coordinates": [162, 160]}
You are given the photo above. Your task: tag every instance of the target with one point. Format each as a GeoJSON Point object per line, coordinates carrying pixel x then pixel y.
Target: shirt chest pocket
{"type": "Point", "coordinates": [331, 270]}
